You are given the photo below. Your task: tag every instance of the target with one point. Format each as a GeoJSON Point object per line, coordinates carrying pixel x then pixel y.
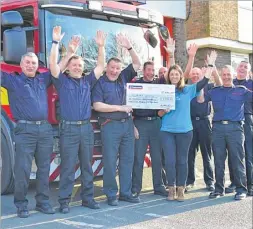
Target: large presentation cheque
{"type": "Point", "coordinates": [150, 96]}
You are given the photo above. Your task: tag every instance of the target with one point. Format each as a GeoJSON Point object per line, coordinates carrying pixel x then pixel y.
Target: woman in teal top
{"type": "Point", "coordinates": [176, 130]}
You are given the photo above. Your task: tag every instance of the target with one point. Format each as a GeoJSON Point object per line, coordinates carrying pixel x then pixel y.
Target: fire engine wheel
{"type": "Point", "coordinates": [7, 179]}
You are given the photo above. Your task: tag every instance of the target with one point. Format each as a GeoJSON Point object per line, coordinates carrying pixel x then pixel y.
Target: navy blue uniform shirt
{"type": "Point", "coordinates": [201, 109]}
{"type": "Point", "coordinates": [75, 96]}
{"type": "Point", "coordinates": [147, 112]}
{"type": "Point", "coordinates": [228, 102]}
{"type": "Point", "coordinates": [248, 84]}
{"type": "Point", "coordinates": [27, 95]}
{"type": "Point", "coordinates": [113, 92]}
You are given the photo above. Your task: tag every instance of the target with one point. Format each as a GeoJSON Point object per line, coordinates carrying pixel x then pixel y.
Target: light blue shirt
{"type": "Point", "coordinates": [179, 120]}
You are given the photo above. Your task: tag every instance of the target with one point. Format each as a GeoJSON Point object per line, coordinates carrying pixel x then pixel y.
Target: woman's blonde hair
{"type": "Point", "coordinates": [181, 84]}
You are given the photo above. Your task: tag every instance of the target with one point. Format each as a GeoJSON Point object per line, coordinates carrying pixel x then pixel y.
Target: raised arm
{"type": "Point", "coordinates": [72, 48]}
{"type": "Point", "coordinates": [170, 49]}
{"type": "Point", "coordinates": [192, 50]}
{"type": "Point", "coordinates": [125, 43]}
{"type": "Point", "coordinates": [100, 40]}
{"type": "Point", "coordinates": [53, 65]}
{"type": "Point", "coordinates": [216, 77]}
{"type": "Point", "coordinates": [208, 72]}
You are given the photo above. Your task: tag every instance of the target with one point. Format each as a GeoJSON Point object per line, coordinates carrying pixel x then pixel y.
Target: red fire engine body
{"type": "Point", "coordinates": [76, 17]}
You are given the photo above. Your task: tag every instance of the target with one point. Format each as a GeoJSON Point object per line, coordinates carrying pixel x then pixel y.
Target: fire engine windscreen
{"type": "Point", "coordinates": [87, 27]}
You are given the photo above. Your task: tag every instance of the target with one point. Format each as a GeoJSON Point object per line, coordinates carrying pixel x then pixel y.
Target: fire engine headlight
{"type": "Point", "coordinates": [95, 5]}
{"type": "Point", "coordinates": [143, 14]}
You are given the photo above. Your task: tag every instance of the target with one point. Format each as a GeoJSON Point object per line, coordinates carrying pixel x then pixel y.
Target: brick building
{"type": "Point", "coordinates": [225, 26]}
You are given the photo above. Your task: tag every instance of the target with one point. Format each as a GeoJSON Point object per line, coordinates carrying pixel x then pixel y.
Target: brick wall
{"type": "Point", "coordinates": [212, 18]}
{"type": "Point", "coordinates": [197, 25]}
{"type": "Point", "coordinates": [224, 19]}
{"type": "Point", "coordinates": [223, 58]}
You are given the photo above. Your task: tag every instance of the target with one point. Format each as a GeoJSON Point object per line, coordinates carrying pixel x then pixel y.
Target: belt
{"type": "Point", "coordinates": [119, 120]}
{"type": "Point", "coordinates": [33, 122]}
{"type": "Point", "coordinates": [109, 119]}
{"type": "Point", "coordinates": [146, 118]}
{"type": "Point", "coordinates": [82, 122]}
{"type": "Point", "coordinates": [199, 118]}
{"type": "Point", "coordinates": [226, 122]}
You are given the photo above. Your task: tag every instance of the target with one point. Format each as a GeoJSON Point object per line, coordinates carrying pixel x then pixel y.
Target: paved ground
{"type": "Point", "coordinates": [153, 212]}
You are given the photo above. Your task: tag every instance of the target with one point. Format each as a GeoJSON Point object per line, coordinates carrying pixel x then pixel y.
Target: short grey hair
{"type": "Point", "coordinates": [30, 54]}
{"type": "Point", "coordinates": [248, 63]}
{"type": "Point", "coordinates": [230, 69]}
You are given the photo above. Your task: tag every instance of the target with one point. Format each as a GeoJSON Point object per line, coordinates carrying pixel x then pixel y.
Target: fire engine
{"type": "Point", "coordinates": [27, 25]}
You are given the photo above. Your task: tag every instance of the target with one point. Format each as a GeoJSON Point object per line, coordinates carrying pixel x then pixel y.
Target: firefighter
{"type": "Point", "coordinates": [227, 132]}
{"type": "Point", "coordinates": [200, 112]}
{"type": "Point", "coordinates": [242, 78]}
{"type": "Point", "coordinates": [117, 128]}
{"type": "Point", "coordinates": [33, 134]}
{"type": "Point", "coordinates": [147, 128]}
{"type": "Point", "coordinates": [76, 131]}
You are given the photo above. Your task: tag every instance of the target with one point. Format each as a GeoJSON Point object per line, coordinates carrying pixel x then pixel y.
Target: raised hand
{"type": "Point", "coordinates": [170, 46]}
{"type": "Point", "coordinates": [74, 44]}
{"type": "Point", "coordinates": [211, 58]}
{"type": "Point", "coordinates": [203, 71]}
{"type": "Point", "coordinates": [100, 38]}
{"type": "Point", "coordinates": [123, 41]}
{"type": "Point", "coordinates": [192, 50]}
{"type": "Point", "coordinates": [57, 35]}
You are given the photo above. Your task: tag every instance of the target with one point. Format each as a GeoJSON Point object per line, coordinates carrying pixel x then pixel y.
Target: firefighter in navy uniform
{"type": "Point", "coordinates": [200, 112]}
{"type": "Point", "coordinates": [242, 78]}
{"type": "Point", "coordinates": [227, 132]}
{"type": "Point", "coordinates": [117, 128]}
{"type": "Point", "coordinates": [33, 134]}
{"type": "Point", "coordinates": [76, 134]}
{"type": "Point", "coordinates": [147, 128]}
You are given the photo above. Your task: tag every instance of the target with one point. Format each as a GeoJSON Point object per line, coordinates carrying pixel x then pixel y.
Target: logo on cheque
{"type": "Point", "coordinates": [134, 87]}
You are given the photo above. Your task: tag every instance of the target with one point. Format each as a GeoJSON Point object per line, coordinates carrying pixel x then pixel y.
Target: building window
{"type": "Point", "coordinates": [245, 21]}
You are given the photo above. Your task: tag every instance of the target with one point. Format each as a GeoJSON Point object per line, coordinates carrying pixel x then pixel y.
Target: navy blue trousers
{"type": "Point", "coordinates": [229, 138]}
{"type": "Point", "coordinates": [76, 142]}
{"type": "Point", "coordinates": [201, 138]}
{"type": "Point", "coordinates": [31, 141]}
{"type": "Point", "coordinates": [117, 142]}
{"type": "Point", "coordinates": [149, 132]}
{"type": "Point", "coordinates": [248, 132]}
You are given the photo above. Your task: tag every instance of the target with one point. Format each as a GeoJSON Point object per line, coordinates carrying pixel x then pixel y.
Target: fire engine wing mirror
{"type": "Point", "coordinates": [14, 38]}
{"type": "Point", "coordinates": [14, 45]}
{"type": "Point", "coordinates": [164, 32]}
{"type": "Point", "coordinates": [11, 19]}
{"type": "Point", "coordinates": [150, 38]}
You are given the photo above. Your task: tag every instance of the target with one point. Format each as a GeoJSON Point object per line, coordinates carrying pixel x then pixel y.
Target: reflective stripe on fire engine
{"type": "Point", "coordinates": [97, 167]}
